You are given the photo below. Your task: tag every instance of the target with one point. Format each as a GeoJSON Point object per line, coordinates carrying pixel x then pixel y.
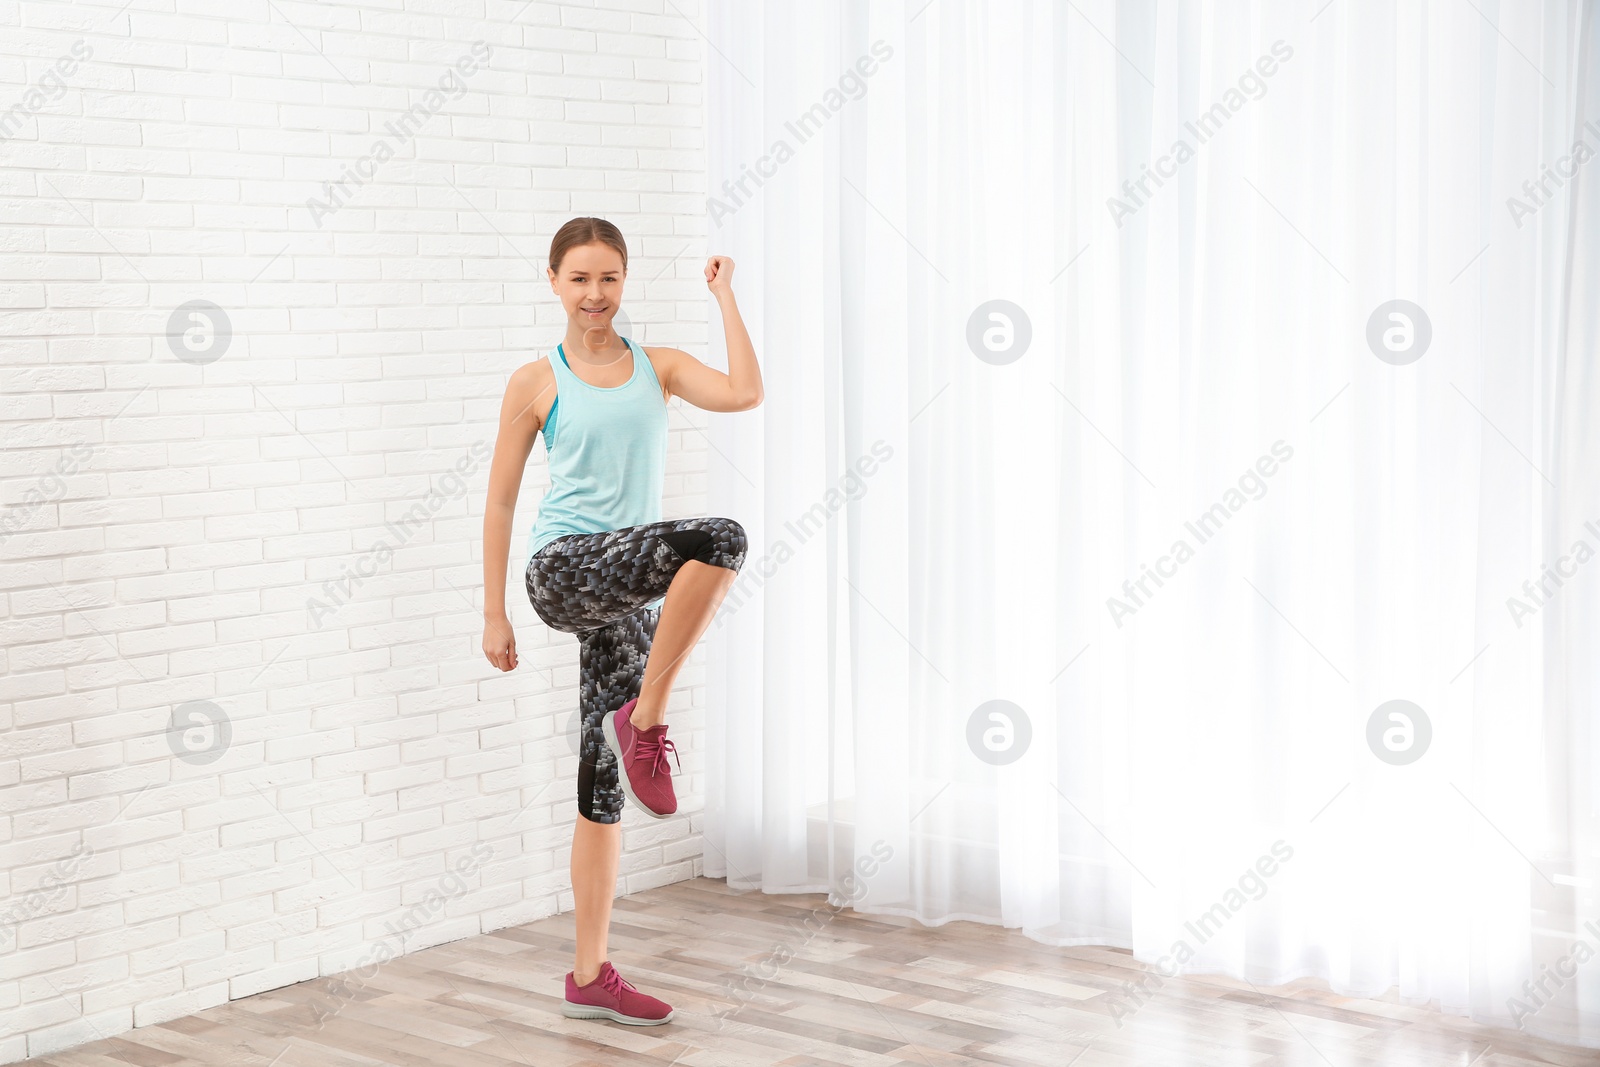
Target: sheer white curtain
{"type": "Point", "coordinates": [1227, 503]}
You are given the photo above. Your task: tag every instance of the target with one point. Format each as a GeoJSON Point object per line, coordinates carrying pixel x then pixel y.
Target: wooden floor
{"type": "Point", "coordinates": [820, 986]}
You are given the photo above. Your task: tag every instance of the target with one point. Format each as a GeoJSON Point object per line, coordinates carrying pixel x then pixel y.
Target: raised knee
{"type": "Point", "coordinates": [693, 544]}
{"type": "Point", "coordinates": [734, 544]}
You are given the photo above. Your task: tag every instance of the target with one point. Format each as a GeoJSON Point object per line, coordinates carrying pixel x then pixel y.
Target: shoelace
{"type": "Point", "coordinates": [655, 750]}
{"type": "Point", "coordinates": [614, 983]}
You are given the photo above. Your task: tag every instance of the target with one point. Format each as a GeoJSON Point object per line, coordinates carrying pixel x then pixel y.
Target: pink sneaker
{"type": "Point", "coordinates": [642, 767]}
{"type": "Point", "coordinates": [610, 996]}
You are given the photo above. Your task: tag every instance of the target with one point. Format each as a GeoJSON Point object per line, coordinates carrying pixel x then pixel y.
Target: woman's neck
{"type": "Point", "coordinates": [591, 347]}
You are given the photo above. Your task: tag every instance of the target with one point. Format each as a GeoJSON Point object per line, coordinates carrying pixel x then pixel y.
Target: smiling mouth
{"type": "Point", "coordinates": [593, 311]}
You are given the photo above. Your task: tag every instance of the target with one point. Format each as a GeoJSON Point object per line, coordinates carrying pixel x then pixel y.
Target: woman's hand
{"type": "Point", "coordinates": [719, 275]}
{"type": "Point", "coordinates": [499, 643]}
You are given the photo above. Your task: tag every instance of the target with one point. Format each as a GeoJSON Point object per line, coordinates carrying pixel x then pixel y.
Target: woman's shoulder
{"type": "Point", "coordinates": [661, 354]}
{"type": "Point", "coordinates": [535, 375]}
{"type": "Point", "coordinates": [533, 384]}
{"type": "Point", "coordinates": [662, 362]}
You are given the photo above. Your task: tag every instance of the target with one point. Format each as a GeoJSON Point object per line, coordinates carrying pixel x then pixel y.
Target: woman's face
{"type": "Point", "coordinates": [590, 284]}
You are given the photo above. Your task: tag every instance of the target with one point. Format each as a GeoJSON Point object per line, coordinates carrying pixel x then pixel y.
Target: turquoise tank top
{"type": "Point", "coordinates": [607, 450]}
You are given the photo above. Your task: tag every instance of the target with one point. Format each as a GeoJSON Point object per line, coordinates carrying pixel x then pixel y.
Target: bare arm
{"type": "Point", "coordinates": [706, 387]}
{"type": "Point", "coordinates": [519, 423]}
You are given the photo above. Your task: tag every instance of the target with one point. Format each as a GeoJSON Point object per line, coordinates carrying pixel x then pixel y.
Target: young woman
{"type": "Point", "coordinates": [637, 591]}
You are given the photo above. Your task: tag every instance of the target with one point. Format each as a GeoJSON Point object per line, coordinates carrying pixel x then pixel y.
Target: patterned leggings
{"type": "Point", "coordinates": [604, 587]}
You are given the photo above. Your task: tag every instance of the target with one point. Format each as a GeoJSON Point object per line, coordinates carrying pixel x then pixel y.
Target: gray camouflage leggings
{"type": "Point", "coordinates": [600, 586]}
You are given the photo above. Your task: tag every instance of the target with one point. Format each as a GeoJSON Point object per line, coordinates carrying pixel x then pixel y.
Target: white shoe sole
{"type": "Point", "coordinates": [608, 727]}
{"type": "Point", "coordinates": [585, 1011]}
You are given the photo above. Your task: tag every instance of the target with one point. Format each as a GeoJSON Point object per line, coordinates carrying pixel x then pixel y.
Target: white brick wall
{"type": "Point", "coordinates": [164, 520]}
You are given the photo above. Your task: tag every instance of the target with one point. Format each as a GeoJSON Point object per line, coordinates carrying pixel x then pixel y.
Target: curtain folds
{"type": "Point", "coordinates": [1174, 510]}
